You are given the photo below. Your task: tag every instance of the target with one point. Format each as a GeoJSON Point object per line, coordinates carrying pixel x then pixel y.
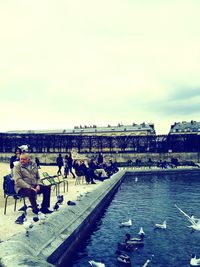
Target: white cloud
{"type": "Point", "coordinates": [96, 62]}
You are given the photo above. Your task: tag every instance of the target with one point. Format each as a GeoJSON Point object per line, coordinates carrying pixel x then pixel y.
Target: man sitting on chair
{"type": "Point", "coordinates": [27, 183]}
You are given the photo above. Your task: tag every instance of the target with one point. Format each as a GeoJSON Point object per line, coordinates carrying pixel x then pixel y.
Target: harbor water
{"type": "Point", "coordinates": [147, 200]}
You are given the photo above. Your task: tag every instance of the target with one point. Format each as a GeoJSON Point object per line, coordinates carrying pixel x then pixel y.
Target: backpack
{"type": "Point", "coordinates": [9, 185]}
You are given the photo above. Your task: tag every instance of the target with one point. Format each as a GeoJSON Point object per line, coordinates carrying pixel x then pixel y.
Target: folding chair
{"type": "Point", "coordinates": [53, 181]}
{"type": "Point", "coordinates": [16, 197]}
{"type": "Point", "coordinates": [9, 191]}
{"type": "Point", "coordinates": [64, 181]}
{"type": "Point", "coordinates": [80, 177]}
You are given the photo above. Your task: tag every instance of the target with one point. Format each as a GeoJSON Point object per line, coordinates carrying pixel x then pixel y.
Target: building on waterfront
{"type": "Point", "coordinates": [184, 127]}
{"type": "Point", "coordinates": [142, 129]}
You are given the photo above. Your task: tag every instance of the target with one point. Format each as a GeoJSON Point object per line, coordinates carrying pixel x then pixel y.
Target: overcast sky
{"type": "Point", "coordinates": [83, 62]}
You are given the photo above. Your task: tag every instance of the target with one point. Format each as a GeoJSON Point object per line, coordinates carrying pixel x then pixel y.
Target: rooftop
{"type": "Point", "coordinates": [95, 129]}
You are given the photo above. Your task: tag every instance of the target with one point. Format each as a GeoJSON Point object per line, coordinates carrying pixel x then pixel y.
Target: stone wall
{"type": "Point", "coordinates": [50, 158]}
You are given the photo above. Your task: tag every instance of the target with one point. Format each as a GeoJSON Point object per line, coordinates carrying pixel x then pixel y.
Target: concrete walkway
{"type": "Point", "coordinates": [45, 241]}
{"type": "Point", "coordinates": [8, 227]}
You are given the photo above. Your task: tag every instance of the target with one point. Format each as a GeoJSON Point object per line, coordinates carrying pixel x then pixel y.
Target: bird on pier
{"type": "Point", "coordinates": [42, 217]}
{"type": "Point", "coordinates": [27, 225]}
{"type": "Point", "coordinates": [60, 199]}
{"type": "Point", "coordinates": [56, 206]}
{"type": "Point", "coordinates": [20, 219]}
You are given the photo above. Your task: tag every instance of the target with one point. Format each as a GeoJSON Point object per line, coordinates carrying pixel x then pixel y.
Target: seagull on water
{"type": "Point", "coordinates": [96, 264]}
{"type": "Point", "coordinates": [148, 261]}
{"type": "Point", "coordinates": [123, 258]}
{"type": "Point", "coordinates": [196, 220]}
{"type": "Point", "coordinates": [128, 223]}
{"type": "Point", "coordinates": [194, 225]}
{"type": "Point", "coordinates": [194, 261]}
{"type": "Point", "coordinates": [161, 226]}
{"type": "Point", "coordinates": [141, 232]}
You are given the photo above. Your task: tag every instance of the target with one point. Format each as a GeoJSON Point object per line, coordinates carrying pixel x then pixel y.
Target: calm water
{"type": "Point", "coordinates": [148, 201]}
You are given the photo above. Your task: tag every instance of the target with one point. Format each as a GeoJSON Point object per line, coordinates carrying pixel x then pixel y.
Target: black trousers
{"type": "Point", "coordinates": [31, 194]}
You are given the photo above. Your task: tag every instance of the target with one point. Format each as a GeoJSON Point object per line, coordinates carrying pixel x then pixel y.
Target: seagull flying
{"type": "Point", "coordinates": [194, 261]}
{"type": "Point", "coordinates": [24, 148]}
{"type": "Point", "coordinates": [195, 225]}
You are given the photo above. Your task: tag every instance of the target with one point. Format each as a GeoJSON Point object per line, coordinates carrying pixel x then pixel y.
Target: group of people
{"type": "Point", "coordinates": [92, 170]}
{"type": "Point", "coordinates": [67, 163]}
{"type": "Point", "coordinates": [27, 179]}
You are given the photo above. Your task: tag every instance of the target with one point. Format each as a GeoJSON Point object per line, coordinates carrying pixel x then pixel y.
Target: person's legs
{"type": "Point", "coordinates": [46, 191]}
{"type": "Point", "coordinates": [59, 170]}
{"type": "Point", "coordinates": [31, 194]}
{"type": "Point", "coordinates": [70, 169]}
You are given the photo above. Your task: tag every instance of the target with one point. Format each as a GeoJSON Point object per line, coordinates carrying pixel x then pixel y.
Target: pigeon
{"type": "Point", "coordinates": [20, 219]}
{"type": "Point", "coordinates": [23, 208]}
{"type": "Point", "coordinates": [42, 217]}
{"type": "Point", "coordinates": [56, 206]}
{"type": "Point", "coordinates": [79, 197]}
{"type": "Point", "coordinates": [27, 225]}
{"type": "Point", "coordinates": [71, 203]}
{"type": "Point", "coordinates": [35, 219]}
{"type": "Point", "coordinates": [60, 199]}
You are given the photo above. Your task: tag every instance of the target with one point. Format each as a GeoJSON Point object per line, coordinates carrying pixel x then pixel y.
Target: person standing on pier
{"type": "Point", "coordinates": [60, 164]}
{"type": "Point", "coordinates": [70, 164]}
